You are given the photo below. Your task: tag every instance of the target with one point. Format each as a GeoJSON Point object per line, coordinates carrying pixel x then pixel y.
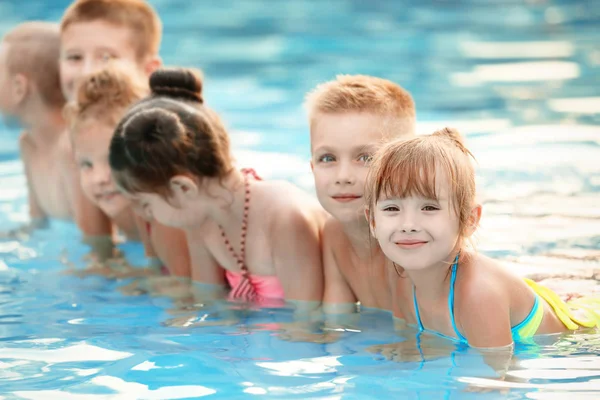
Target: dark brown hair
{"type": "Point", "coordinates": [171, 132]}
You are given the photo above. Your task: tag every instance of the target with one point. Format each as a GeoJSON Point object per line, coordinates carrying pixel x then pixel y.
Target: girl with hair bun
{"type": "Point", "coordinates": [262, 238]}
{"type": "Point", "coordinates": [102, 99]}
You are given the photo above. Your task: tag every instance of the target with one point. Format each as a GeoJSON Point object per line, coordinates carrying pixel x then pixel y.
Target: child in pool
{"type": "Point", "coordinates": [92, 33]}
{"type": "Point", "coordinates": [102, 99]}
{"type": "Point", "coordinates": [422, 210]}
{"type": "Point", "coordinates": [30, 93]}
{"type": "Point", "coordinates": [172, 153]}
{"type": "Point", "coordinates": [350, 117]}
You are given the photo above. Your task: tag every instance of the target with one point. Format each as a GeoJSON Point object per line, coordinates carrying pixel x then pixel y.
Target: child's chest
{"type": "Point", "coordinates": [434, 315]}
{"type": "Point", "coordinates": [49, 186]}
{"type": "Point", "coordinates": [367, 279]}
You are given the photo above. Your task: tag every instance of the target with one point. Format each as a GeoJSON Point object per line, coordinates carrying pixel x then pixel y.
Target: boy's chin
{"type": "Point", "coordinates": [348, 215]}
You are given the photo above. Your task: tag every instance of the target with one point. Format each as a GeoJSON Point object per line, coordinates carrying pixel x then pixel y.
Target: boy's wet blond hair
{"type": "Point", "coordinates": [364, 94]}
{"type": "Point", "coordinates": [408, 167]}
{"type": "Point", "coordinates": [105, 96]}
{"type": "Point", "coordinates": [33, 50]}
{"type": "Point", "coordinates": [136, 15]}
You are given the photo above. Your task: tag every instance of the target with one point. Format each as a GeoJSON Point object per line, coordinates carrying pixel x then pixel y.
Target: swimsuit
{"type": "Point", "coordinates": [529, 326]}
{"type": "Point", "coordinates": [260, 286]}
{"type": "Point", "coordinates": [264, 286]}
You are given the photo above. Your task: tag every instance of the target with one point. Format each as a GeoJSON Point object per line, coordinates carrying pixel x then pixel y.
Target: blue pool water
{"type": "Point", "coordinates": [520, 78]}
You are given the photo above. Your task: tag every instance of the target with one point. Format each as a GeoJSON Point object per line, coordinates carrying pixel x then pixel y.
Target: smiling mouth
{"type": "Point", "coordinates": [346, 198]}
{"type": "Point", "coordinates": [410, 244]}
{"type": "Point", "coordinates": [108, 196]}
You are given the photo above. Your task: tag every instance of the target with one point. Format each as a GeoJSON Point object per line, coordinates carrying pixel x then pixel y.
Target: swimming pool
{"type": "Point", "coordinates": [520, 80]}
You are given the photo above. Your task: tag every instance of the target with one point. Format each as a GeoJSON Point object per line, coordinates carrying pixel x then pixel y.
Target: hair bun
{"type": "Point", "coordinates": [153, 125]}
{"type": "Point", "coordinates": [177, 83]}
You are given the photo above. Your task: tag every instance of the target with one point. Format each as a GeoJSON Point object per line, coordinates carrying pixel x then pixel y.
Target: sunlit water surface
{"type": "Point", "coordinates": [519, 78]}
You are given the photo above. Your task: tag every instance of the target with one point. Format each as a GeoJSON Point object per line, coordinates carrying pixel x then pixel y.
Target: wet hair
{"type": "Point", "coordinates": [169, 133]}
{"type": "Point", "coordinates": [403, 168]}
{"type": "Point", "coordinates": [105, 95]}
{"type": "Point", "coordinates": [33, 49]}
{"type": "Point", "coordinates": [136, 15]}
{"type": "Point", "coordinates": [364, 94]}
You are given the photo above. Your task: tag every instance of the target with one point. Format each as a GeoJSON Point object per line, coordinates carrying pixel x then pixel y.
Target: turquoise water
{"type": "Point", "coordinates": [519, 78]}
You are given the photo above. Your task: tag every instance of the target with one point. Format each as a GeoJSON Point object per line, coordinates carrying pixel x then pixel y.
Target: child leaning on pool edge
{"type": "Point", "coordinates": [350, 118]}
{"type": "Point", "coordinates": [422, 210]}
{"type": "Point", "coordinates": [103, 97]}
{"type": "Point", "coordinates": [172, 153]}
{"type": "Point", "coordinates": [93, 33]}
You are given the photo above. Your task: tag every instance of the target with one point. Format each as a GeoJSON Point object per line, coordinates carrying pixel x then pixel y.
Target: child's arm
{"type": "Point", "coordinates": [207, 274]}
{"type": "Point", "coordinates": [174, 252]}
{"type": "Point", "coordinates": [297, 259]}
{"type": "Point", "coordinates": [482, 314]}
{"type": "Point", "coordinates": [338, 297]}
{"type": "Point", "coordinates": [36, 214]}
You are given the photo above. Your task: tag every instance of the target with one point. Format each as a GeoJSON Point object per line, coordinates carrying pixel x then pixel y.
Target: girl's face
{"type": "Point", "coordinates": [417, 233]}
{"type": "Point", "coordinates": [91, 143]}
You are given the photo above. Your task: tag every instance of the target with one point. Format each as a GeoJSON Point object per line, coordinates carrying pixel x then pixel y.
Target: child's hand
{"type": "Point", "coordinates": [410, 350]}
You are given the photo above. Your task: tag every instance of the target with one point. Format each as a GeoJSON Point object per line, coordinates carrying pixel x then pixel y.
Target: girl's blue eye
{"type": "Point", "coordinates": [107, 57]}
{"type": "Point", "coordinates": [391, 208]}
{"type": "Point", "coordinates": [326, 158]}
{"type": "Point", "coordinates": [85, 164]}
{"type": "Point", "coordinates": [430, 208]}
{"type": "Point", "coordinates": [366, 158]}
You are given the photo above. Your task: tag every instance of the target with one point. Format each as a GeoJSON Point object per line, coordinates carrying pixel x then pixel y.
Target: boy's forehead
{"type": "Point", "coordinates": [340, 129]}
{"type": "Point", "coordinates": [97, 33]}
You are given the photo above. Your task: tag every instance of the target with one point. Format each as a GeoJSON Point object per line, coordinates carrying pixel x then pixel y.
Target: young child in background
{"type": "Point", "coordinates": [350, 117]}
{"type": "Point", "coordinates": [263, 238]}
{"type": "Point", "coordinates": [92, 33]}
{"type": "Point", "coordinates": [30, 92]}
{"type": "Point", "coordinates": [102, 99]}
{"type": "Point", "coordinates": [422, 211]}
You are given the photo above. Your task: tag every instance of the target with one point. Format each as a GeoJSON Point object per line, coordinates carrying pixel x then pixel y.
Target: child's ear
{"type": "Point", "coordinates": [371, 222]}
{"type": "Point", "coordinates": [474, 219]}
{"type": "Point", "coordinates": [312, 166]}
{"type": "Point", "coordinates": [152, 64]}
{"type": "Point", "coordinates": [183, 187]}
{"type": "Point", "coordinates": [19, 87]}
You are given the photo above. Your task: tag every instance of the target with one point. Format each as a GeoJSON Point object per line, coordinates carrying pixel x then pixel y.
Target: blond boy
{"type": "Point", "coordinates": [350, 117]}
{"type": "Point", "coordinates": [30, 92]}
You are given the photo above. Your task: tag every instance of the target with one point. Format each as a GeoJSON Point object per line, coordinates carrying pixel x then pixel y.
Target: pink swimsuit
{"type": "Point", "coordinates": [264, 286]}
{"type": "Point", "coordinates": [245, 286]}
